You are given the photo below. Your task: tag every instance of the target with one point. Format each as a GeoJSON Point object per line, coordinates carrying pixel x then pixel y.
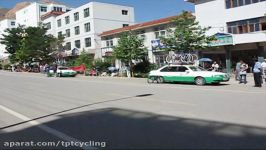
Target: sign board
{"type": "Point", "coordinates": [222, 39]}
{"type": "Point", "coordinates": [157, 45]}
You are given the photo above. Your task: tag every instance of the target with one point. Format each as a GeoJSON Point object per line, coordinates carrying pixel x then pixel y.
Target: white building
{"type": "Point", "coordinates": [31, 15]}
{"type": "Point", "coordinates": [149, 31]}
{"type": "Point", "coordinates": [243, 20]}
{"type": "Point", "coordinates": [82, 26]}
{"type": "Point", "coordinates": [5, 24]}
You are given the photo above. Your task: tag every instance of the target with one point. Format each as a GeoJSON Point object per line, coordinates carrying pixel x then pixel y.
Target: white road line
{"type": "Point", "coordinates": [44, 127]}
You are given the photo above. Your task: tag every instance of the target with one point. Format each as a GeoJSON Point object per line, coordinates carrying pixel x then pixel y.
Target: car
{"type": "Point", "coordinates": [65, 72]}
{"type": "Point", "coordinates": [186, 74]}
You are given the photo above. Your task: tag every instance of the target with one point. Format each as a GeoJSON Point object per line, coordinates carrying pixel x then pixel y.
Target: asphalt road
{"type": "Point", "coordinates": [122, 113]}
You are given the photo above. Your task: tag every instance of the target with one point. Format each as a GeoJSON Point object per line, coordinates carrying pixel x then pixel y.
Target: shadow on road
{"type": "Point", "coordinates": [124, 129]}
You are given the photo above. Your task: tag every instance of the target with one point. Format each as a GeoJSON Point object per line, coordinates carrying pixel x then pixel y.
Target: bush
{"type": "Point", "coordinates": [144, 67]}
{"type": "Point", "coordinates": [102, 65]}
{"type": "Point", "coordinates": [7, 67]}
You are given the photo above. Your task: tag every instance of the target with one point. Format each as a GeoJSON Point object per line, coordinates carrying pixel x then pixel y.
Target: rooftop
{"type": "Point", "coordinates": [52, 13]}
{"type": "Point", "coordinates": [140, 26]}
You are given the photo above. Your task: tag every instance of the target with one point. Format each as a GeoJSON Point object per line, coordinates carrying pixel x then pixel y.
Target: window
{"type": "Point", "coordinates": [125, 25]}
{"type": "Point", "coordinates": [58, 9]}
{"type": "Point", "coordinates": [86, 12]}
{"type": "Point", "coordinates": [88, 42]}
{"type": "Point", "coordinates": [169, 69]}
{"type": "Point", "coordinates": [59, 34]}
{"type": "Point", "coordinates": [109, 43]}
{"type": "Point", "coordinates": [47, 25]}
{"type": "Point", "coordinates": [67, 32]}
{"type": "Point", "coordinates": [76, 16]}
{"type": "Point", "coordinates": [77, 30]}
{"type": "Point", "coordinates": [67, 20]}
{"type": "Point", "coordinates": [237, 3]}
{"type": "Point", "coordinates": [124, 12]}
{"type": "Point", "coordinates": [246, 26]}
{"type": "Point", "coordinates": [13, 23]}
{"type": "Point", "coordinates": [59, 23]}
{"type": "Point", "coordinates": [182, 69]}
{"type": "Point", "coordinates": [67, 10]}
{"type": "Point", "coordinates": [159, 34]}
{"type": "Point", "coordinates": [43, 9]}
{"type": "Point", "coordinates": [87, 27]}
{"type": "Point", "coordinates": [247, 2]}
{"type": "Point", "coordinates": [77, 43]}
{"type": "Point", "coordinates": [68, 46]}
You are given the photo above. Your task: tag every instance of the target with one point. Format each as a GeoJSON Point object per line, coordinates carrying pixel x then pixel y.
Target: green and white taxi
{"type": "Point", "coordinates": [187, 74]}
{"type": "Point", "coordinates": [65, 72]}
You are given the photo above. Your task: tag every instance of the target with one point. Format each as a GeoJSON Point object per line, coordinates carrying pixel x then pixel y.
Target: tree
{"type": "Point", "coordinates": [187, 35]}
{"type": "Point", "coordinates": [29, 44]}
{"type": "Point", "coordinates": [130, 47]}
{"type": "Point", "coordinates": [84, 58]}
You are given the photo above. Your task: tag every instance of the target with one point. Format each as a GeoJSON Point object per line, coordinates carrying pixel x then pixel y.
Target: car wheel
{"type": "Point", "coordinates": [160, 80]}
{"type": "Point", "coordinates": [151, 79]}
{"type": "Point", "coordinates": [200, 81]}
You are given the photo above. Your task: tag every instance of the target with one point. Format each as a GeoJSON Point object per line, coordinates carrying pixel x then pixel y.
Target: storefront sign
{"type": "Point", "coordinates": [222, 39]}
{"type": "Point", "coordinates": [157, 45]}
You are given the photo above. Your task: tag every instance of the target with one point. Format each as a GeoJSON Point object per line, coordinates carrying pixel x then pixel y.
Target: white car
{"type": "Point", "coordinates": [188, 74]}
{"type": "Point", "coordinates": [65, 72]}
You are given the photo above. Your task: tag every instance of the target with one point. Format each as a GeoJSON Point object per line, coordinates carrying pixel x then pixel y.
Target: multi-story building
{"type": "Point", "coordinates": [31, 15]}
{"type": "Point", "coordinates": [240, 24]}
{"type": "Point", "coordinates": [81, 26]}
{"type": "Point", "coordinates": [149, 31]}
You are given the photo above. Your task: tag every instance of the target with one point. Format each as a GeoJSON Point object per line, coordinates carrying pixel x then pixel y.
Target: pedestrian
{"type": "Point", "coordinates": [238, 64]}
{"type": "Point", "coordinates": [243, 73]}
{"type": "Point", "coordinates": [257, 70]}
{"type": "Point", "coordinates": [128, 71]}
{"type": "Point", "coordinates": [263, 66]}
{"type": "Point", "coordinates": [215, 66]}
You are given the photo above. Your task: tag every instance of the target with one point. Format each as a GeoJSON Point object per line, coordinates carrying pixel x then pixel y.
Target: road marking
{"type": "Point", "coordinates": [44, 127]}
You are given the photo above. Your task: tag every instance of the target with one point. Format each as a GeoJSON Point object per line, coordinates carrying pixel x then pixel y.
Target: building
{"type": "Point", "coordinates": [30, 16]}
{"type": "Point", "coordinates": [81, 26]}
{"type": "Point", "coordinates": [240, 26]}
{"type": "Point", "coordinates": [149, 31]}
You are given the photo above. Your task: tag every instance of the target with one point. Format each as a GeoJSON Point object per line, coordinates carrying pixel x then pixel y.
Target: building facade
{"type": "Point", "coordinates": [30, 16]}
{"type": "Point", "coordinates": [243, 21]}
{"type": "Point", "coordinates": [81, 26]}
{"type": "Point", "coordinates": [148, 31]}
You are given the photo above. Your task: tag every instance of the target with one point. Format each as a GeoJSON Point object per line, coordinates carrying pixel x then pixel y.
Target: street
{"type": "Point", "coordinates": [122, 113]}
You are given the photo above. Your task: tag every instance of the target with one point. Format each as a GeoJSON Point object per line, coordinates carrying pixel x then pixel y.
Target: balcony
{"type": "Point", "coordinates": [106, 51]}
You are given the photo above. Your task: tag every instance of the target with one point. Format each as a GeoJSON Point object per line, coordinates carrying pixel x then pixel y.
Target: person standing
{"type": "Point", "coordinates": [243, 73]}
{"type": "Point", "coordinates": [238, 64]}
{"type": "Point", "coordinates": [257, 73]}
{"type": "Point", "coordinates": [215, 66]}
{"type": "Point", "coordinates": [263, 66]}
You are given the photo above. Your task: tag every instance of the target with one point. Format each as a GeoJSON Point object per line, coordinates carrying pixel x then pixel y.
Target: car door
{"type": "Point", "coordinates": [185, 74]}
{"type": "Point", "coordinates": [170, 73]}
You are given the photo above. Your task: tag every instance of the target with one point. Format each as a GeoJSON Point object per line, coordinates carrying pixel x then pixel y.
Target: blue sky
{"type": "Point", "coordinates": [145, 10]}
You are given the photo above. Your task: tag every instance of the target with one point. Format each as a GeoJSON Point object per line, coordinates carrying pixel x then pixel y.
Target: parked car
{"type": "Point", "coordinates": [187, 74]}
{"type": "Point", "coordinates": [65, 72]}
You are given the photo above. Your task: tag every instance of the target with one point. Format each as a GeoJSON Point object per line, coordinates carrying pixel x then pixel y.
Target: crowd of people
{"type": "Point", "coordinates": [259, 72]}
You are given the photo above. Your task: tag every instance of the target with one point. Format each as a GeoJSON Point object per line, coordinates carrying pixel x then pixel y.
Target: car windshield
{"type": "Point", "coordinates": [63, 68]}
{"type": "Point", "coordinates": [194, 68]}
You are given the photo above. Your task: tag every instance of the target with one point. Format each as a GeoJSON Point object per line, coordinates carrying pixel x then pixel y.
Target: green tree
{"type": "Point", "coordinates": [130, 47]}
{"type": "Point", "coordinates": [187, 35]}
{"type": "Point", "coordinates": [28, 44]}
{"type": "Point", "coordinates": [84, 58]}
